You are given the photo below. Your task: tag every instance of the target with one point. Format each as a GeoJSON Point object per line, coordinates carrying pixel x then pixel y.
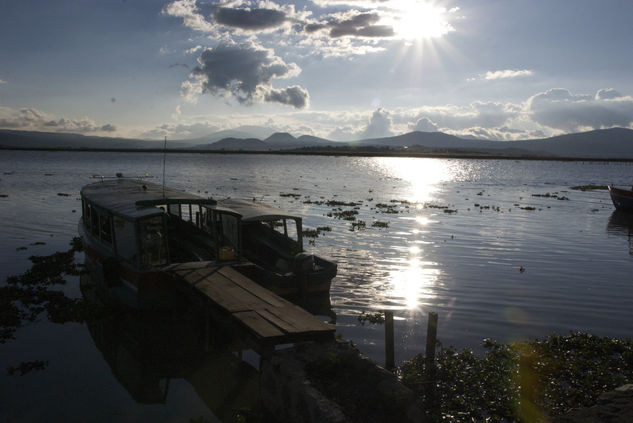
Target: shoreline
{"type": "Point", "coordinates": [343, 153]}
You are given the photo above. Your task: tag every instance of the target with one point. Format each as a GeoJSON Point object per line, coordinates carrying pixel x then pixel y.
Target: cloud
{"type": "Point", "coordinates": [244, 71]}
{"type": "Point", "coordinates": [293, 96]}
{"type": "Point", "coordinates": [30, 119]}
{"type": "Point", "coordinates": [561, 109]}
{"type": "Point", "coordinates": [249, 19]}
{"type": "Point", "coordinates": [2, 81]}
{"type": "Point", "coordinates": [189, 12]}
{"type": "Point", "coordinates": [507, 74]}
{"type": "Point", "coordinates": [425, 124]}
{"type": "Point", "coordinates": [352, 23]}
{"type": "Point", "coordinates": [608, 94]}
{"type": "Point", "coordinates": [174, 131]}
{"type": "Point", "coordinates": [379, 125]}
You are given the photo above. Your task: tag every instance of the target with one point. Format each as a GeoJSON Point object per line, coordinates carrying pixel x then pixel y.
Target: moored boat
{"type": "Point", "coordinates": [136, 230]}
{"type": "Point", "coordinates": [273, 239]}
{"type": "Point", "coordinates": [622, 198]}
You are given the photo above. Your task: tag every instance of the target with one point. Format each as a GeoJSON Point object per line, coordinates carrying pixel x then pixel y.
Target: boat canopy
{"type": "Point", "coordinates": [252, 211]}
{"type": "Point", "coordinates": [137, 198]}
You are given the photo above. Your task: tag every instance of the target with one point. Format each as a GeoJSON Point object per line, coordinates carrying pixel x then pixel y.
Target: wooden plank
{"type": "Point", "coordinates": [293, 319]}
{"type": "Point", "coordinates": [227, 294]}
{"type": "Point", "coordinates": [253, 287]}
{"type": "Point", "coordinates": [261, 327]}
{"type": "Point", "coordinates": [193, 277]}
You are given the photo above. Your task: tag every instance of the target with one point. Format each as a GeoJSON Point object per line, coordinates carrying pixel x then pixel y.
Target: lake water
{"type": "Point", "coordinates": [467, 239]}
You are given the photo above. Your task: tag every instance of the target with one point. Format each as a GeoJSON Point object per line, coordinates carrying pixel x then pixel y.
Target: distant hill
{"type": "Point", "coordinates": [236, 144]}
{"type": "Point", "coordinates": [33, 139]}
{"type": "Point", "coordinates": [603, 143]}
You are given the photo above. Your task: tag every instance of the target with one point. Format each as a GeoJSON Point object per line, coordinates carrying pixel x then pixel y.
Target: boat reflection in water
{"type": "Point", "coordinates": [621, 223]}
{"type": "Point", "coordinates": [147, 349]}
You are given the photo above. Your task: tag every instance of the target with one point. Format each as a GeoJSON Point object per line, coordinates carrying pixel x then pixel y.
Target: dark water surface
{"type": "Point", "coordinates": [461, 239]}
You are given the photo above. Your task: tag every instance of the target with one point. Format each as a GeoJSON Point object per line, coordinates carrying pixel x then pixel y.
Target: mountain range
{"type": "Point", "coordinates": [615, 143]}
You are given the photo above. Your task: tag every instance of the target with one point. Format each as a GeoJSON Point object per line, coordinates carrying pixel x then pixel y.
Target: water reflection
{"type": "Point", "coordinates": [412, 282]}
{"type": "Point", "coordinates": [621, 223]}
{"type": "Point", "coordinates": [146, 350]}
{"type": "Point", "coordinates": [423, 175]}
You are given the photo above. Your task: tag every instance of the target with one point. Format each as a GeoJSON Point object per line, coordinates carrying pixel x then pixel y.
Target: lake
{"type": "Point", "coordinates": [501, 249]}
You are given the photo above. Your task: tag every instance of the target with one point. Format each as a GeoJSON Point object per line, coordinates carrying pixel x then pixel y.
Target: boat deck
{"type": "Point", "coordinates": [270, 319]}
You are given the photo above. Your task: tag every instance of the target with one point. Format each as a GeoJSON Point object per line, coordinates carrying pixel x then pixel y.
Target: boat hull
{"type": "Point", "coordinates": [622, 199]}
{"type": "Point", "coordinates": [289, 285]}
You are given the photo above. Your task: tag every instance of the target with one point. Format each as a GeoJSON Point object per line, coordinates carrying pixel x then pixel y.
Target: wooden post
{"type": "Point", "coordinates": [389, 341]}
{"type": "Point", "coordinates": [431, 340]}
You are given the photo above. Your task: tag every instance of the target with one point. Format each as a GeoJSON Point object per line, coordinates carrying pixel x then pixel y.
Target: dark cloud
{"type": "Point", "coordinates": [108, 128]}
{"type": "Point", "coordinates": [293, 96]}
{"type": "Point", "coordinates": [358, 25]}
{"type": "Point", "coordinates": [246, 71]}
{"type": "Point", "coordinates": [249, 19]}
{"type": "Point", "coordinates": [181, 65]}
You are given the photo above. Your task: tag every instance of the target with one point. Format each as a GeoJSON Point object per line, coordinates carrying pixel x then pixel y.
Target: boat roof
{"type": "Point", "coordinates": [253, 211]}
{"type": "Point", "coordinates": [137, 198]}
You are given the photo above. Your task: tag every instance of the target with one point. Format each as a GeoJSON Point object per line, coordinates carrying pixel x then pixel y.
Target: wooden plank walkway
{"type": "Point", "coordinates": [269, 318]}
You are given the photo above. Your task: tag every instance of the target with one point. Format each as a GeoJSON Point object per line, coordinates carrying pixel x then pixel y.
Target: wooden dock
{"type": "Point", "coordinates": [270, 319]}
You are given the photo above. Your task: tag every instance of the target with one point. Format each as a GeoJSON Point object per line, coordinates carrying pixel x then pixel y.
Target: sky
{"type": "Point", "coordinates": [337, 69]}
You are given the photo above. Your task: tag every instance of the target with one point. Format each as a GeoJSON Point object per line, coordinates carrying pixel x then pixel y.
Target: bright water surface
{"type": "Point", "coordinates": [489, 269]}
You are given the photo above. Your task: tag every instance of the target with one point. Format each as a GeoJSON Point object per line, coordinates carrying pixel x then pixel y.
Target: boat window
{"type": "Point", "coordinates": [153, 246]}
{"type": "Point", "coordinates": [94, 222]}
{"type": "Point", "coordinates": [125, 237]}
{"type": "Point", "coordinates": [229, 231]}
{"type": "Point", "coordinates": [105, 228]}
{"type": "Point", "coordinates": [292, 229]}
{"type": "Point", "coordinates": [174, 209]}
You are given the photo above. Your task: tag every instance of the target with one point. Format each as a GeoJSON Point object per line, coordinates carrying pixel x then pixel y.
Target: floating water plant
{"type": "Point", "coordinates": [589, 187]}
{"type": "Point", "coordinates": [379, 224]}
{"type": "Point", "coordinates": [509, 381]}
{"type": "Point", "coordinates": [377, 318]}
{"type": "Point", "coordinates": [358, 225]}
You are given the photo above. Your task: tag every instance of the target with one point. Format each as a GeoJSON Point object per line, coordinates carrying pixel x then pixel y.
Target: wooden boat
{"type": "Point", "coordinates": [622, 198]}
{"type": "Point", "coordinates": [134, 230]}
{"type": "Point", "coordinates": [273, 240]}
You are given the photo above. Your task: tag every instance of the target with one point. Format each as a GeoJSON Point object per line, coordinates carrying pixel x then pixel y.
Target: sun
{"type": "Point", "coordinates": [419, 20]}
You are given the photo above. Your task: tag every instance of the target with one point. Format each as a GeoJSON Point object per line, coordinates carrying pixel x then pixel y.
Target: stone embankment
{"type": "Point", "coordinates": [334, 383]}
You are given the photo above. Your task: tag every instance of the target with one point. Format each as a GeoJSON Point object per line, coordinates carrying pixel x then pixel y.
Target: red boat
{"type": "Point", "coordinates": [622, 198]}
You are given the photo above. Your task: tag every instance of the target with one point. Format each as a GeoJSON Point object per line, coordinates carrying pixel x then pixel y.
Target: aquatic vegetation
{"type": "Point", "coordinates": [26, 367]}
{"type": "Point", "coordinates": [377, 318]}
{"type": "Point", "coordinates": [324, 229]}
{"type": "Point", "coordinates": [589, 187]}
{"type": "Point", "coordinates": [387, 208]}
{"type": "Point", "coordinates": [450, 211]}
{"type": "Point", "coordinates": [511, 382]}
{"type": "Point", "coordinates": [336, 203]}
{"type": "Point", "coordinates": [345, 214]}
{"type": "Point", "coordinates": [527, 208]}
{"type": "Point", "coordinates": [358, 225]}
{"type": "Point", "coordinates": [310, 233]}
{"type": "Point", "coordinates": [379, 224]}
{"type": "Point", "coordinates": [292, 195]}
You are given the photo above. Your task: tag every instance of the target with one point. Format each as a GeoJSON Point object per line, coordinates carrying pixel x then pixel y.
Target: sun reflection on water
{"type": "Point", "coordinates": [422, 175]}
{"type": "Point", "coordinates": [412, 278]}
{"type": "Point", "coordinates": [412, 282]}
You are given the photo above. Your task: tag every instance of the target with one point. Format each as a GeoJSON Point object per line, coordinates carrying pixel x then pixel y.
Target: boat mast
{"type": "Point", "coordinates": [164, 155]}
